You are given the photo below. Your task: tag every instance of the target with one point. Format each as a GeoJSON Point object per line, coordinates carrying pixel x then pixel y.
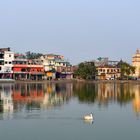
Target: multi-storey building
{"type": "Point", "coordinates": [51, 62]}
{"type": "Point", "coordinates": [24, 69]}
{"type": "Point", "coordinates": [136, 63]}
{"type": "Point", "coordinates": [6, 63]}
{"type": "Point", "coordinates": [17, 66]}
{"type": "Point", "coordinates": [107, 69]}
{"type": "Point", "coordinates": [108, 73]}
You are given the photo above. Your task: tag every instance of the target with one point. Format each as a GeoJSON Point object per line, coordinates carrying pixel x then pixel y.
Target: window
{"type": "Point", "coordinates": [10, 62]}
{"type": "Point", "coordinates": [5, 62]}
{"type": "Point", "coordinates": [9, 55]}
{"type": "Point", "coordinates": [2, 63]}
{"type": "Point", "coordinates": [23, 70]}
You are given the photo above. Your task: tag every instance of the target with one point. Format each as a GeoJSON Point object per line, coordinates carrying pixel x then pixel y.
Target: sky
{"type": "Point", "coordinates": [81, 30]}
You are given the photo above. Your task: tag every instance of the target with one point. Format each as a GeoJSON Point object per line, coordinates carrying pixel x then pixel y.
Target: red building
{"type": "Point", "coordinates": [23, 69]}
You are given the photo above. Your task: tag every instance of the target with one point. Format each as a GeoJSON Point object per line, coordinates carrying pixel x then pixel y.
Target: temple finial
{"type": "Point", "coordinates": [137, 51]}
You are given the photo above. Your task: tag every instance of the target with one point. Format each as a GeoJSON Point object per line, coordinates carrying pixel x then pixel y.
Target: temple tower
{"type": "Point", "coordinates": [136, 63]}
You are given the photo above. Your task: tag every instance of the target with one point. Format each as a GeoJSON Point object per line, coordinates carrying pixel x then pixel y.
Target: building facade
{"type": "Point", "coordinates": [21, 67]}
{"type": "Point", "coordinates": [108, 73]}
{"type": "Point", "coordinates": [52, 63]}
{"type": "Point", "coordinates": [6, 63]}
{"type": "Point", "coordinates": [107, 69]}
{"type": "Point", "coordinates": [24, 69]}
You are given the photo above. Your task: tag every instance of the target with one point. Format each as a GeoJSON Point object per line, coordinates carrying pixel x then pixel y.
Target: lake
{"type": "Point", "coordinates": [50, 111]}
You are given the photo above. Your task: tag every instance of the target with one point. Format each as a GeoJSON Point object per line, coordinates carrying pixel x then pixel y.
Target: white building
{"type": "Point", "coordinates": [6, 63]}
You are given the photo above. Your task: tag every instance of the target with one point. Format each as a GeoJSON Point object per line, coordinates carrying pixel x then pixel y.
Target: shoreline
{"type": "Point", "coordinates": [71, 81]}
{"type": "Point", "coordinates": [80, 81]}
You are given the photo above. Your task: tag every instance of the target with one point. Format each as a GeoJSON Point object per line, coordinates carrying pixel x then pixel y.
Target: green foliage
{"type": "Point", "coordinates": [86, 70]}
{"type": "Point", "coordinates": [31, 55]}
{"type": "Point", "coordinates": [126, 69]}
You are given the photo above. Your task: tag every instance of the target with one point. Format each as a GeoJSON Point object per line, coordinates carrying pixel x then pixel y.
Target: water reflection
{"type": "Point", "coordinates": [88, 121]}
{"type": "Point", "coordinates": [107, 93]}
{"type": "Point", "coordinates": [136, 99]}
{"type": "Point", "coordinates": [37, 96]}
{"type": "Point", "coordinates": [6, 101]}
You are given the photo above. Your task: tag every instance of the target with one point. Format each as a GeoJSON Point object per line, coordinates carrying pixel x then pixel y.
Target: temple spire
{"type": "Point", "coordinates": [137, 51]}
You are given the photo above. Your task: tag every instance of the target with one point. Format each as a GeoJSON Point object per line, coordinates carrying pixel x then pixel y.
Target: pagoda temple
{"type": "Point", "coordinates": [136, 63]}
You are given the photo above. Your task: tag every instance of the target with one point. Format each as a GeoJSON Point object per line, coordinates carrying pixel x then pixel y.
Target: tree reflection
{"type": "Point", "coordinates": [23, 96]}
{"type": "Point", "coordinates": [86, 92]}
{"type": "Point", "coordinates": [104, 93]}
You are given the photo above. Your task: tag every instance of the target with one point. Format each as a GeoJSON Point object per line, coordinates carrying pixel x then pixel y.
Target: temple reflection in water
{"type": "Point", "coordinates": [29, 96]}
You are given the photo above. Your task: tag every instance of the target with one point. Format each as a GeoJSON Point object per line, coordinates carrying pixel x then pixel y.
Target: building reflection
{"type": "Point", "coordinates": [120, 93]}
{"type": "Point", "coordinates": [6, 101]}
{"type": "Point", "coordinates": [56, 94]}
{"type": "Point", "coordinates": [39, 96]}
{"type": "Point", "coordinates": [105, 93]}
{"type": "Point", "coordinates": [25, 96]}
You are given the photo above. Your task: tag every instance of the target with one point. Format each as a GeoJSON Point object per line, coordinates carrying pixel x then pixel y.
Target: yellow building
{"type": "Point", "coordinates": [136, 63]}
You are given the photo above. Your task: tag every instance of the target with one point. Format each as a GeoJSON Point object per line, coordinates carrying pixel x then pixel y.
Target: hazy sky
{"type": "Point", "coordinates": [78, 29]}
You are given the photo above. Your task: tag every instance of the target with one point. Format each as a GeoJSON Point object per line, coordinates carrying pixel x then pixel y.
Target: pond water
{"type": "Point", "coordinates": [41, 111]}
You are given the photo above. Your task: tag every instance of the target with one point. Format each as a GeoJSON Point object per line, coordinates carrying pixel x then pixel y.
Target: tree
{"type": "Point", "coordinates": [31, 55]}
{"type": "Point", "coordinates": [126, 69]}
{"type": "Point", "coordinates": [86, 70]}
